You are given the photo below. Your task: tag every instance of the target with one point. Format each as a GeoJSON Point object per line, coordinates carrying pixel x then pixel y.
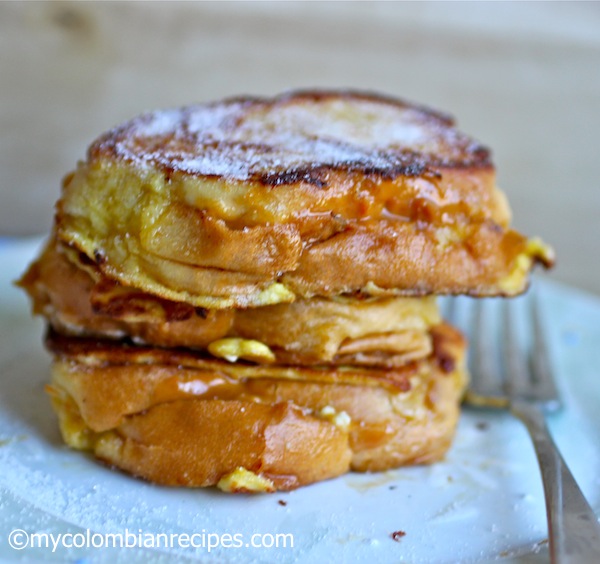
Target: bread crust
{"type": "Point", "coordinates": [147, 418]}
{"type": "Point", "coordinates": [296, 138]}
{"type": "Point", "coordinates": [232, 204]}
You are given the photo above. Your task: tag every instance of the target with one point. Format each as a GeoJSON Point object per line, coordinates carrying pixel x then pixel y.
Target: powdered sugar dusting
{"type": "Point", "coordinates": [293, 137]}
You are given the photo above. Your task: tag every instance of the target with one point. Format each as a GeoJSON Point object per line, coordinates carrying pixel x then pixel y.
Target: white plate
{"type": "Point", "coordinates": [484, 502]}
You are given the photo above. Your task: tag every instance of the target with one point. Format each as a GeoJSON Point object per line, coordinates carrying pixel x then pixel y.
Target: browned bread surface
{"type": "Point", "coordinates": [296, 137]}
{"type": "Point", "coordinates": [196, 423]}
{"type": "Point", "coordinates": [234, 204]}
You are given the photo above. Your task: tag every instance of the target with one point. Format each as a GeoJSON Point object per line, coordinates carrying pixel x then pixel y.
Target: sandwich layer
{"type": "Point", "coordinates": [80, 301]}
{"type": "Point", "coordinates": [184, 419]}
{"type": "Point", "coordinates": [251, 202]}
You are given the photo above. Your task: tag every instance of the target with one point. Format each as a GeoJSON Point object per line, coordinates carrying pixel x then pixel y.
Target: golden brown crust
{"type": "Point", "coordinates": [383, 257]}
{"type": "Point", "coordinates": [232, 204]}
{"type": "Point", "coordinates": [163, 446]}
{"type": "Point", "coordinates": [295, 137]}
{"type": "Point", "coordinates": [425, 260]}
{"type": "Point", "coordinates": [192, 425]}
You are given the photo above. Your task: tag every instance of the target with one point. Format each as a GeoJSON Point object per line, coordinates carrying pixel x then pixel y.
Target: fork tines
{"type": "Point", "coordinates": [509, 356]}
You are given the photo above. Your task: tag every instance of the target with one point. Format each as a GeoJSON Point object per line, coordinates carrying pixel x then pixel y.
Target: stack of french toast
{"type": "Point", "coordinates": [243, 293]}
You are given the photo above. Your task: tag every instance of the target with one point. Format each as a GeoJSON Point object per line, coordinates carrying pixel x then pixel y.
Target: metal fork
{"type": "Point", "coordinates": [526, 387]}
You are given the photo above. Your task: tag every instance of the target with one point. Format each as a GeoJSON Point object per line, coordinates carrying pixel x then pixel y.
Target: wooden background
{"type": "Point", "coordinates": [524, 78]}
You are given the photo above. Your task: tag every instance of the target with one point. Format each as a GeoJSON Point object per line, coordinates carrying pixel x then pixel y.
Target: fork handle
{"type": "Point", "coordinates": [573, 528]}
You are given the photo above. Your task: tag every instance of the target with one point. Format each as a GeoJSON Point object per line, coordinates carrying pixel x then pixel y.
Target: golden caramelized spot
{"type": "Point", "coordinates": [245, 481]}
